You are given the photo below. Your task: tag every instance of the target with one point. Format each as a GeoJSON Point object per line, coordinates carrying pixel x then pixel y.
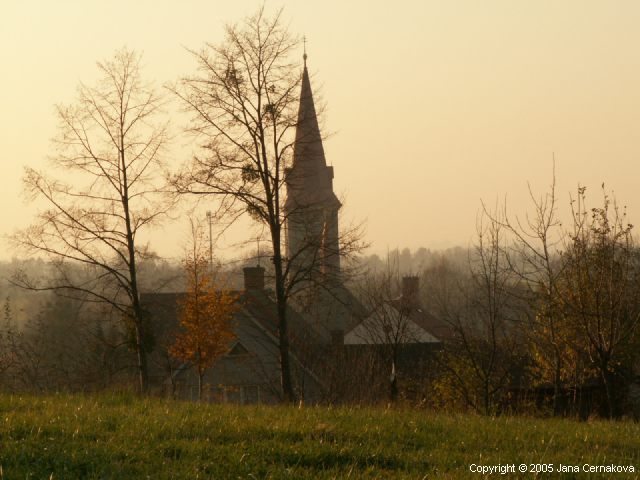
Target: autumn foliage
{"type": "Point", "coordinates": [206, 316]}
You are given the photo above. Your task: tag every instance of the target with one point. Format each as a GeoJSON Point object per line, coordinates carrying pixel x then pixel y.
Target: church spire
{"type": "Point", "coordinates": [308, 142]}
{"type": "Point", "coordinates": [309, 180]}
{"type": "Point", "coordinates": [311, 205]}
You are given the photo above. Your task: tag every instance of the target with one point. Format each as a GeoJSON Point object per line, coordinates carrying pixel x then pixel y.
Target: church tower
{"type": "Point", "coordinates": [311, 206]}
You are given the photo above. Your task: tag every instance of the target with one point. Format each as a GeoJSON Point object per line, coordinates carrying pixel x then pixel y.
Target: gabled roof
{"type": "Point", "coordinates": [256, 304]}
{"type": "Point", "coordinates": [436, 327]}
{"type": "Point", "coordinates": [389, 328]}
{"type": "Point", "coordinates": [401, 315]}
{"type": "Point", "coordinates": [331, 305]}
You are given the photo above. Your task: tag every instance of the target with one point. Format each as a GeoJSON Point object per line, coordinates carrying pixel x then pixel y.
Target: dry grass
{"type": "Point", "coordinates": [125, 437]}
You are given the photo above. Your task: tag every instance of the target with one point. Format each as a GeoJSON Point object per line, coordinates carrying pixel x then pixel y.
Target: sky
{"type": "Point", "coordinates": [431, 106]}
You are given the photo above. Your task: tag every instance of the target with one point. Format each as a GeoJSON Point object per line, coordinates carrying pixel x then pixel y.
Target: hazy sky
{"type": "Point", "coordinates": [433, 105]}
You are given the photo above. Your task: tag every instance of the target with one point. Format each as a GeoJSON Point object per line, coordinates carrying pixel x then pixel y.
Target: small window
{"type": "Point", "coordinates": [238, 349]}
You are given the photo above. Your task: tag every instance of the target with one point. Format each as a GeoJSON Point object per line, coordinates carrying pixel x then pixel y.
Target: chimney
{"type": "Point", "coordinates": [410, 290]}
{"type": "Point", "coordinates": [253, 278]}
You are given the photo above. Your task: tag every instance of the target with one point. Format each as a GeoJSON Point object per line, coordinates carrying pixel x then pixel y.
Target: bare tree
{"type": "Point", "coordinates": [109, 150]}
{"type": "Point", "coordinates": [580, 287]}
{"type": "Point", "coordinates": [534, 257]}
{"type": "Point", "coordinates": [244, 100]}
{"type": "Point", "coordinates": [481, 355]}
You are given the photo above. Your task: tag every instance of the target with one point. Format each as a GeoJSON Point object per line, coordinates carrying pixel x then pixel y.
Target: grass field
{"type": "Point", "coordinates": [124, 437]}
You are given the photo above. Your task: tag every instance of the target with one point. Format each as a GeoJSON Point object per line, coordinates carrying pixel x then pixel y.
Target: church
{"type": "Point", "coordinates": [320, 313]}
{"type": "Point", "coordinates": [312, 229]}
{"type": "Point", "coordinates": [319, 317]}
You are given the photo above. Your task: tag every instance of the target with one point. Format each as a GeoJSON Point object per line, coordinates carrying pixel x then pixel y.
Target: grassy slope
{"type": "Point", "coordinates": [122, 437]}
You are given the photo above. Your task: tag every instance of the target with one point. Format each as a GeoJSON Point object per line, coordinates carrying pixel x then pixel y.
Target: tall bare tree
{"type": "Point", "coordinates": [481, 356]}
{"type": "Point", "coordinates": [244, 100]}
{"type": "Point", "coordinates": [534, 257]}
{"type": "Point", "coordinates": [110, 159]}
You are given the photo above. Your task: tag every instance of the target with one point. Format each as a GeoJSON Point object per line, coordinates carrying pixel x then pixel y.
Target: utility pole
{"type": "Point", "coordinates": [209, 219]}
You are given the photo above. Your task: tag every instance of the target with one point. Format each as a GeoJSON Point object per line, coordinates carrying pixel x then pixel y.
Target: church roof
{"type": "Point", "coordinates": [309, 180]}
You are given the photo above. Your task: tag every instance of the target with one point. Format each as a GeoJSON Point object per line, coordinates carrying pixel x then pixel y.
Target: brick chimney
{"type": "Point", "coordinates": [410, 290]}
{"type": "Point", "coordinates": [253, 278]}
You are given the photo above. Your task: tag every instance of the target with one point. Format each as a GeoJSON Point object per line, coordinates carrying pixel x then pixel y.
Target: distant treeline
{"type": "Point", "coordinates": [167, 276]}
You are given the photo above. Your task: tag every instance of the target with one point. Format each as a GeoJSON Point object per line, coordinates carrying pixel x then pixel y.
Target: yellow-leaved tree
{"type": "Point", "coordinates": [205, 312]}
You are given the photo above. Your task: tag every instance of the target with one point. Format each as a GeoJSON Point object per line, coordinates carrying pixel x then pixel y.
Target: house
{"type": "Point", "coordinates": [393, 347]}
{"type": "Point", "coordinates": [400, 321]}
{"type": "Point", "coordinates": [250, 370]}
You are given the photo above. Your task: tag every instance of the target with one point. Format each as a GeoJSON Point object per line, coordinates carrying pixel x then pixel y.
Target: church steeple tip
{"type": "Point", "coordinates": [304, 55]}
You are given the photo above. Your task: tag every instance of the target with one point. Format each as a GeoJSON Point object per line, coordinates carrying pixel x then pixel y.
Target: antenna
{"type": "Point", "coordinates": [258, 242]}
{"type": "Point", "coordinates": [210, 221]}
{"type": "Point", "coordinates": [388, 263]}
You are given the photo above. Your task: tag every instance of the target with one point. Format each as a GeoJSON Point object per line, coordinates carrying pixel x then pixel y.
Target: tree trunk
{"type": "Point", "coordinates": [557, 385]}
{"type": "Point", "coordinates": [133, 277]}
{"type": "Point", "coordinates": [606, 380]}
{"type": "Point", "coordinates": [288, 393]}
{"type": "Point", "coordinates": [143, 372]}
{"type": "Point", "coordinates": [285, 363]}
{"type": "Point", "coordinates": [487, 399]}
